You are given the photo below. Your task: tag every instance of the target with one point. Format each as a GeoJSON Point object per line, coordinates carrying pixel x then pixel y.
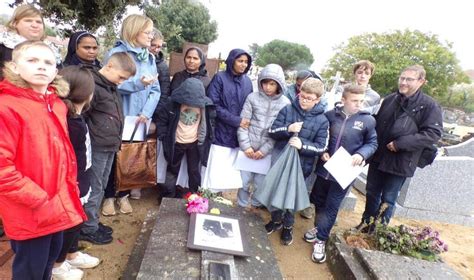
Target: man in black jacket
{"type": "Point", "coordinates": [157, 45]}
{"type": "Point", "coordinates": [408, 121]}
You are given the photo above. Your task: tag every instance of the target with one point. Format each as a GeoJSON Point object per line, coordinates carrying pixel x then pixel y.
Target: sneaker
{"type": "Point", "coordinates": [108, 208]}
{"type": "Point", "coordinates": [66, 272]}
{"type": "Point", "coordinates": [105, 229]}
{"type": "Point", "coordinates": [286, 236]}
{"type": "Point", "coordinates": [272, 227]}
{"type": "Point", "coordinates": [310, 235]}
{"type": "Point", "coordinates": [319, 251]}
{"type": "Point", "coordinates": [308, 212]}
{"type": "Point", "coordinates": [135, 194]}
{"type": "Point", "coordinates": [97, 237]}
{"type": "Point", "coordinates": [125, 206]}
{"type": "Point", "coordinates": [83, 260]}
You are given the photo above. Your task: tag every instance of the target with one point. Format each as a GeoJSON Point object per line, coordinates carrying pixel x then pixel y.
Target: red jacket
{"type": "Point", "coordinates": [38, 185]}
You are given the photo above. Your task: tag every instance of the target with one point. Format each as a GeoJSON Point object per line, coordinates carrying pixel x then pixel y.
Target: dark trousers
{"type": "Point", "coordinates": [194, 174]}
{"type": "Point", "coordinates": [34, 258]}
{"type": "Point", "coordinates": [286, 217]}
{"type": "Point", "coordinates": [382, 187]}
{"type": "Point", "coordinates": [70, 242]}
{"type": "Point", "coordinates": [326, 196]}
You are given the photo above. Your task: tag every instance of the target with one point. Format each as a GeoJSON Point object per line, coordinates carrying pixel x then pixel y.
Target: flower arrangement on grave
{"type": "Point", "coordinates": [195, 203]}
{"type": "Point", "coordinates": [214, 197]}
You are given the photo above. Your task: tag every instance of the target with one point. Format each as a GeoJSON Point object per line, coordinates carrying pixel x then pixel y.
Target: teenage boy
{"type": "Point", "coordinates": [363, 71]}
{"type": "Point", "coordinates": [304, 126]}
{"type": "Point", "coordinates": [39, 195]}
{"type": "Point", "coordinates": [260, 108]}
{"type": "Point", "coordinates": [105, 121]}
{"type": "Point", "coordinates": [354, 130]}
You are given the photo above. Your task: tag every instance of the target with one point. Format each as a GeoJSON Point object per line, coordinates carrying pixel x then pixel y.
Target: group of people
{"type": "Point", "coordinates": [60, 135]}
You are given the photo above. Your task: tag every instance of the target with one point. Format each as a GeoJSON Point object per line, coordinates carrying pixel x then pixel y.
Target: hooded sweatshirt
{"type": "Point", "coordinates": [228, 92]}
{"type": "Point", "coordinates": [202, 75]}
{"type": "Point", "coordinates": [262, 110]}
{"type": "Point", "coordinates": [71, 56]}
{"type": "Point", "coordinates": [191, 93]}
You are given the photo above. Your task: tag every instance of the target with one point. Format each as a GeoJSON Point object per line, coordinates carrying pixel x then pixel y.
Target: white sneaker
{"type": "Point", "coordinates": [136, 194]}
{"type": "Point", "coordinates": [319, 251]}
{"type": "Point", "coordinates": [84, 261]}
{"type": "Point", "coordinates": [125, 206]}
{"type": "Point", "coordinates": [66, 272]}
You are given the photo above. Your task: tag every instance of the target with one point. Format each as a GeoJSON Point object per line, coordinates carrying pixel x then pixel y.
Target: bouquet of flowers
{"type": "Point", "coordinates": [196, 203]}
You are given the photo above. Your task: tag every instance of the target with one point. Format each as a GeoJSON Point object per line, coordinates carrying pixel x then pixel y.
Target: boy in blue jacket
{"type": "Point", "coordinates": [353, 129]}
{"type": "Point", "coordinates": [304, 126]}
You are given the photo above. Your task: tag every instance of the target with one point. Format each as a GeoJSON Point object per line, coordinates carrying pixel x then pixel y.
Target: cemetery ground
{"type": "Point", "coordinates": [294, 260]}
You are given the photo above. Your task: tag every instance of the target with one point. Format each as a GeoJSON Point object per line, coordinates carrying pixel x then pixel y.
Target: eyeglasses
{"type": "Point", "coordinates": [408, 80]}
{"type": "Point", "coordinates": [148, 33]}
{"type": "Point", "coordinates": [308, 99]}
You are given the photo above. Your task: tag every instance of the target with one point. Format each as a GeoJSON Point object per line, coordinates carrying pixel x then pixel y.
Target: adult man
{"type": "Point", "coordinates": [408, 121]}
{"type": "Point", "coordinates": [363, 71]}
{"type": "Point", "coordinates": [161, 66]}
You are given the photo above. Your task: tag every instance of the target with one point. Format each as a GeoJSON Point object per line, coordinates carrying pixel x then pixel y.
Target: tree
{"type": "Point", "coordinates": [183, 20]}
{"type": "Point", "coordinates": [253, 50]}
{"type": "Point", "coordinates": [391, 52]}
{"type": "Point", "coordinates": [289, 56]}
{"type": "Point", "coordinates": [83, 14]}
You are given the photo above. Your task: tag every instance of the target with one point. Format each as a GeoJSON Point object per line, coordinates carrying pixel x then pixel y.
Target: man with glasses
{"type": "Point", "coordinates": [156, 47]}
{"type": "Point", "coordinates": [408, 121]}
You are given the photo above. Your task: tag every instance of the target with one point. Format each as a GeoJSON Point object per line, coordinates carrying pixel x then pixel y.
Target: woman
{"type": "Point", "coordinates": [140, 93]}
{"type": "Point", "coordinates": [25, 24]}
{"type": "Point", "coordinates": [83, 48]}
{"type": "Point", "coordinates": [195, 63]}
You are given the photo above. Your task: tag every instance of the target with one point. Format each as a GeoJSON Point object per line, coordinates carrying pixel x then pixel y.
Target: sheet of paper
{"type": "Point", "coordinates": [129, 125]}
{"type": "Point", "coordinates": [261, 166]}
{"type": "Point", "coordinates": [340, 167]}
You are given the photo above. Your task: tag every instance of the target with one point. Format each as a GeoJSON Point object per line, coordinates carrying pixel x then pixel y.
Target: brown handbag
{"type": "Point", "coordinates": [136, 164]}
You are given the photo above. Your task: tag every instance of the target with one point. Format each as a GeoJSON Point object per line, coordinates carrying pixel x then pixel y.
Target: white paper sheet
{"type": "Point", "coordinates": [129, 126]}
{"type": "Point", "coordinates": [260, 166]}
{"type": "Point", "coordinates": [340, 167]}
{"type": "Point", "coordinates": [220, 173]}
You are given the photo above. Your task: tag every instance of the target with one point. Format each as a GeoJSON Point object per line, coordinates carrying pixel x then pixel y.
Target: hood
{"type": "Point", "coordinates": [201, 56]}
{"type": "Point", "coordinates": [58, 86]}
{"type": "Point", "coordinates": [233, 56]}
{"type": "Point", "coordinates": [272, 72]}
{"type": "Point", "coordinates": [192, 93]}
{"type": "Point", "coordinates": [71, 56]}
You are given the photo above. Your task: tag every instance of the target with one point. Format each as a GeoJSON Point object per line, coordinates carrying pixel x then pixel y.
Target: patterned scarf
{"type": "Point", "coordinates": [143, 55]}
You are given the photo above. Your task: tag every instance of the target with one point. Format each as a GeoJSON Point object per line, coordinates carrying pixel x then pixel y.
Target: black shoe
{"type": "Point", "coordinates": [286, 236]}
{"type": "Point", "coordinates": [97, 237]}
{"type": "Point", "coordinates": [363, 227]}
{"type": "Point", "coordinates": [272, 227]}
{"type": "Point", "coordinates": [105, 229]}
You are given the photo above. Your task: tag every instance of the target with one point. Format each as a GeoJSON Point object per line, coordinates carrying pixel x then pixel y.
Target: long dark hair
{"type": "Point", "coordinates": [81, 87]}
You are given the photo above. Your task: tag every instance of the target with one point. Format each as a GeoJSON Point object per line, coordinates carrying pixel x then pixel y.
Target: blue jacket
{"type": "Point", "coordinates": [313, 134]}
{"type": "Point", "coordinates": [138, 99]}
{"type": "Point", "coordinates": [355, 133]}
{"type": "Point", "coordinates": [228, 92]}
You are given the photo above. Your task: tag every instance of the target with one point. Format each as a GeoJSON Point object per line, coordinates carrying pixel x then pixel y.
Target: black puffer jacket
{"type": "Point", "coordinates": [394, 124]}
{"type": "Point", "coordinates": [191, 93]}
{"type": "Point", "coordinates": [105, 116]}
{"type": "Point", "coordinates": [313, 134]}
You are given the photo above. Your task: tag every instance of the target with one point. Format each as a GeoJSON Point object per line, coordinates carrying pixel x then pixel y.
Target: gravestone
{"type": "Point", "coordinates": [462, 149]}
{"type": "Point", "coordinates": [167, 255]}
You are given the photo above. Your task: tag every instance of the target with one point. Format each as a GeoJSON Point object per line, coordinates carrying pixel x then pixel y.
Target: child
{"type": "Point", "coordinates": [81, 87]}
{"type": "Point", "coordinates": [228, 90]}
{"type": "Point", "coordinates": [38, 182]}
{"type": "Point", "coordinates": [354, 130]}
{"type": "Point", "coordinates": [105, 122]}
{"type": "Point", "coordinates": [261, 108]}
{"type": "Point", "coordinates": [185, 125]}
{"type": "Point", "coordinates": [305, 126]}
{"type": "Point", "coordinates": [363, 71]}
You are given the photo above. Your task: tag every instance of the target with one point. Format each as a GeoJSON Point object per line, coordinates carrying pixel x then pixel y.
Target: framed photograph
{"type": "Point", "coordinates": [216, 233]}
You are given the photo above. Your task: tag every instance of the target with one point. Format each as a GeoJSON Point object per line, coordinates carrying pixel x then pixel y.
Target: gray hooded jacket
{"type": "Point", "coordinates": [262, 110]}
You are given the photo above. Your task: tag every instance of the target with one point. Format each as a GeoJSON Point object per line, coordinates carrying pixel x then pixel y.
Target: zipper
{"type": "Point", "coordinates": [339, 137]}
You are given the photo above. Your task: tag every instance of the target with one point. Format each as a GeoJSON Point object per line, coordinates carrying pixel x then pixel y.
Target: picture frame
{"type": "Point", "coordinates": [217, 233]}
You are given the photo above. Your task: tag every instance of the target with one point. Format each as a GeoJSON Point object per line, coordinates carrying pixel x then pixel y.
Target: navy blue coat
{"type": "Point", "coordinates": [228, 92]}
{"type": "Point", "coordinates": [313, 134]}
{"type": "Point", "coordinates": [355, 133]}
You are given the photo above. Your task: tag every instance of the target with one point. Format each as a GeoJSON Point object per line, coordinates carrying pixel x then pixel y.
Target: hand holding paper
{"type": "Point", "coordinates": [341, 167]}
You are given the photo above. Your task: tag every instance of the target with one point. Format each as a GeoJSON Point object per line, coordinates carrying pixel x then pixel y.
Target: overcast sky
{"type": "Point", "coordinates": [321, 25]}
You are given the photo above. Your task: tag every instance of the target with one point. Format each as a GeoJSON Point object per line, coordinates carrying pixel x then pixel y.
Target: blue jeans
{"type": "Point", "coordinates": [326, 196]}
{"type": "Point", "coordinates": [243, 196]}
{"type": "Point", "coordinates": [34, 258]}
{"type": "Point", "coordinates": [382, 187]}
{"type": "Point", "coordinates": [101, 167]}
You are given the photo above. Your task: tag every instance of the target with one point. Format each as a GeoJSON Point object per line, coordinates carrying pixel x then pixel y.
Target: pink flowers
{"type": "Point", "coordinates": [196, 204]}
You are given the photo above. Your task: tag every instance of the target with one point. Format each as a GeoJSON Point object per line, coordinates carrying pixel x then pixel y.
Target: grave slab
{"type": "Point", "coordinates": [167, 257]}
{"type": "Point", "coordinates": [462, 149]}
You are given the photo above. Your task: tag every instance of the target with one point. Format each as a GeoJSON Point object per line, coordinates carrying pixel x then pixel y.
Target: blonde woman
{"type": "Point", "coordinates": [141, 93]}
